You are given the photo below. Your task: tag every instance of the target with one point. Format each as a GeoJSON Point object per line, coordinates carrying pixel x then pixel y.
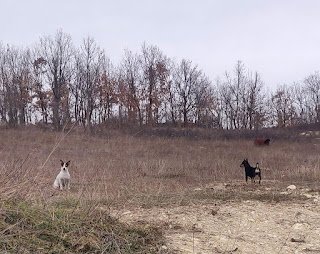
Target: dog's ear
{"type": "Point", "coordinates": [61, 162]}
{"type": "Point", "coordinates": [68, 162]}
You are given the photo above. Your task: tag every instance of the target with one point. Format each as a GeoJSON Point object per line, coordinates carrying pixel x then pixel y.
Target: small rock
{"type": "Point", "coordinates": [292, 187]}
{"type": "Point", "coordinates": [307, 195]}
{"type": "Point", "coordinates": [163, 247]}
{"type": "Point", "coordinates": [301, 226]}
{"type": "Point", "coordinates": [298, 226]}
{"type": "Point", "coordinates": [214, 212]}
{"type": "Point", "coordinates": [296, 240]}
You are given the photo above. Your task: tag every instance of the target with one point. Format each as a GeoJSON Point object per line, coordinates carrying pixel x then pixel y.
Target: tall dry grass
{"type": "Point", "coordinates": [123, 167]}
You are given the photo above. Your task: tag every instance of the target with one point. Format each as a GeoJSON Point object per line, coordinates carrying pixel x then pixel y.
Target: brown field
{"type": "Point", "coordinates": [121, 175]}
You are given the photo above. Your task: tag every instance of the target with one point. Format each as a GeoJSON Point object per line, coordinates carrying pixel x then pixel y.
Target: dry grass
{"type": "Point", "coordinates": [67, 228]}
{"type": "Point", "coordinates": [120, 169]}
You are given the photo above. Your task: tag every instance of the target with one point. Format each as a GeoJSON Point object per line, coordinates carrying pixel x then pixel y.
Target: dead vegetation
{"type": "Point", "coordinates": [65, 227]}
{"type": "Point", "coordinates": [121, 170]}
{"type": "Point", "coordinates": [121, 166]}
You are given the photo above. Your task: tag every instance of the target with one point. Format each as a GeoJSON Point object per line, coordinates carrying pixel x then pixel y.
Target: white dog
{"type": "Point", "coordinates": [63, 178]}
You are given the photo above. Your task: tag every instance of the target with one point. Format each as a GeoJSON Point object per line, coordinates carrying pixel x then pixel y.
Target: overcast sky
{"type": "Point", "coordinates": [278, 38]}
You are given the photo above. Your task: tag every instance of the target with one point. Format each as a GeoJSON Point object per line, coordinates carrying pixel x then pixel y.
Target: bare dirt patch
{"type": "Point", "coordinates": [235, 226]}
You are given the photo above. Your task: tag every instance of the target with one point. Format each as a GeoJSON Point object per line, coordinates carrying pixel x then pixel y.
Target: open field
{"type": "Point", "coordinates": [241, 226]}
{"type": "Point", "coordinates": [171, 194]}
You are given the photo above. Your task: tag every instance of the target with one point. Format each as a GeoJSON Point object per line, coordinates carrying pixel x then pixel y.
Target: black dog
{"type": "Point", "coordinates": [250, 171]}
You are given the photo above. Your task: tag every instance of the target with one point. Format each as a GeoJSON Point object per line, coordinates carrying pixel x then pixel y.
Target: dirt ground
{"type": "Point", "coordinates": [236, 226]}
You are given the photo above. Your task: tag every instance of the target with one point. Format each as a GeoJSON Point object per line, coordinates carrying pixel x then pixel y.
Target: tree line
{"type": "Point", "coordinates": [54, 82]}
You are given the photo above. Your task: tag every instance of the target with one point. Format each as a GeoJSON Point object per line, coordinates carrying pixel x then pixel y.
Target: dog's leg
{"type": "Point", "coordinates": [61, 184]}
{"type": "Point", "coordinates": [259, 178]}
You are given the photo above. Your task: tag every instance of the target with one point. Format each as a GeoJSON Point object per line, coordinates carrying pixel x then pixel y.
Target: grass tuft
{"type": "Point", "coordinates": [28, 227]}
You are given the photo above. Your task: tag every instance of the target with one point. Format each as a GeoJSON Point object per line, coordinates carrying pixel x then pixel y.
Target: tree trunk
{"type": "Point", "coordinates": [55, 113]}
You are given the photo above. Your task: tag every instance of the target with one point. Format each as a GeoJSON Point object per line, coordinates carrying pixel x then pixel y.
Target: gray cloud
{"type": "Point", "coordinates": [280, 39]}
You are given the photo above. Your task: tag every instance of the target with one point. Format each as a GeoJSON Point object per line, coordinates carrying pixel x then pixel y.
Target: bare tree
{"type": "Point", "coordinates": [186, 78]}
{"type": "Point", "coordinates": [89, 72]}
{"type": "Point", "coordinates": [60, 84]}
{"type": "Point", "coordinates": [3, 80]}
{"type": "Point", "coordinates": [41, 94]}
{"type": "Point", "coordinates": [171, 104]}
{"type": "Point", "coordinates": [16, 85]}
{"type": "Point", "coordinates": [283, 106]}
{"type": "Point", "coordinates": [226, 105]}
{"type": "Point", "coordinates": [239, 98]}
{"type": "Point", "coordinates": [58, 53]}
{"type": "Point", "coordinates": [9, 85]}
{"type": "Point", "coordinates": [23, 82]}
{"type": "Point", "coordinates": [253, 100]}
{"type": "Point", "coordinates": [204, 102]}
{"type": "Point", "coordinates": [131, 93]}
{"type": "Point", "coordinates": [301, 103]}
{"type": "Point", "coordinates": [169, 96]}
{"type": "Point", "coordinates": [238, 87]}
{"type": "Point", "coordinates": [233, 93]}
{"type": "Point", "coordinates": [312, 84]}
{"type": "Point", "coordinates": [107, 89]}
{"type": "Point", "coordinates": [153, 61]}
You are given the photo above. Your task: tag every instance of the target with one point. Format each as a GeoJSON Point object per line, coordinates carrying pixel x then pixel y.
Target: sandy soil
{"type": "Point", "coordinates": [248, 226]}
